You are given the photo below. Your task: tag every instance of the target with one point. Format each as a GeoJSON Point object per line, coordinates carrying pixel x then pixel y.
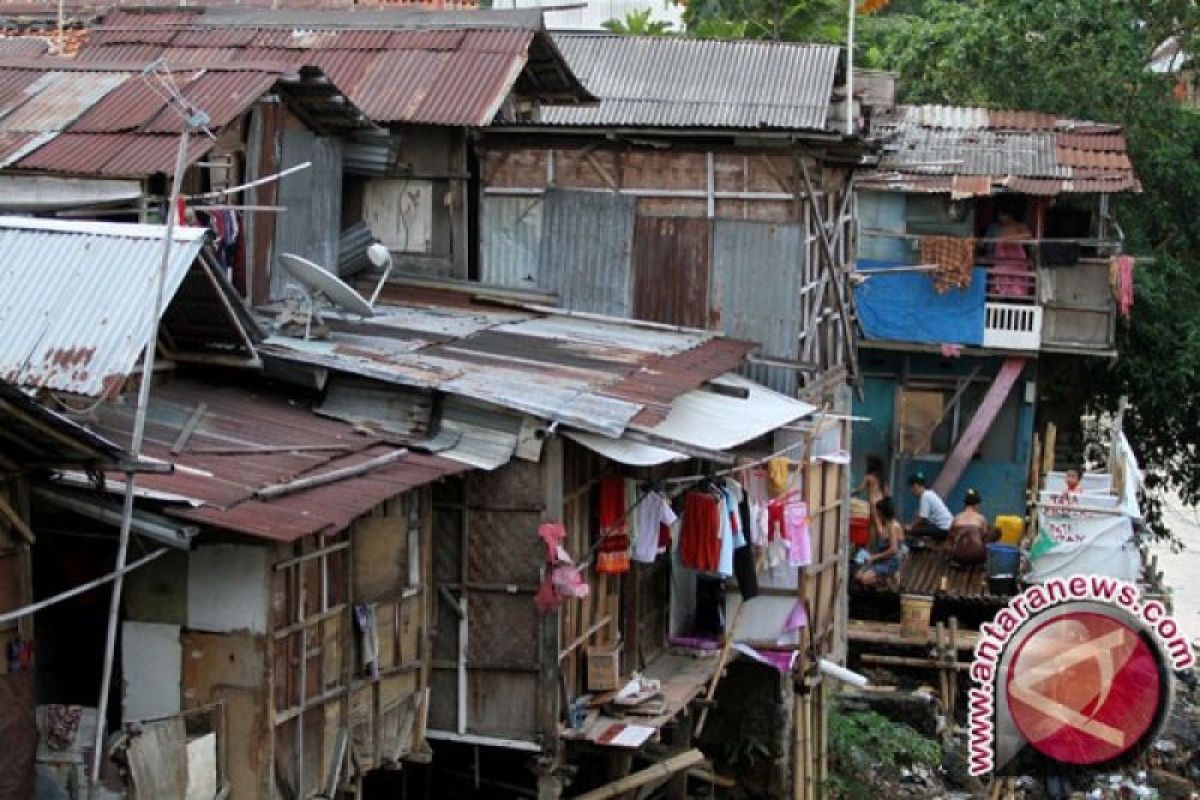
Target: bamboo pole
{"type": "Point", "coordinates": [663, 769]}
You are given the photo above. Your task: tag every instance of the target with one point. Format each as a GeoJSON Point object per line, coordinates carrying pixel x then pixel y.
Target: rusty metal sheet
{"type": "Point", "coordinates": [111, 154]}
{"type": "Point", "coordinates": [671, 270]}
{"type": "Point", "coordinates": [119, 53]}
{"type": "Point", "coordinates": [75, 299]}
{"type": "Point", "coordinates": [662, 380]}
{"type": "Point", "coordinates": [126, 108]}
{"type": "Point", "coordinates": [215, 37]}
{"type": "Point", "coordinates": [426, 40]}
{"type": "Point", "coordinates": [1111, 142]}
{"type": "Point", "coordinates": [12, 145]}
{"type": "Point", "coordinates": [13, 85]}
{"type": "Point", "coordinates": [23, 46]}
{"type": "Point", "coordinates": [1076, 157]}
{"type": "Point", "coordinates": [222, 95]}
{"type": "Point", "coordinates": [1022, 121]}
{"type": "Point", "coordinates": [175, 57]}
{"type": "Point", "coordinates": [346, 68]}
{"type": "Point", "coordinates": [148, 155]}
{"type": "Point", "coordinates": [56, 99]}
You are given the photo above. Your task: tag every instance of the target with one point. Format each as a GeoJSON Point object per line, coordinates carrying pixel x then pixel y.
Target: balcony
{"type": "Point", "coordinates": [1056, 309]}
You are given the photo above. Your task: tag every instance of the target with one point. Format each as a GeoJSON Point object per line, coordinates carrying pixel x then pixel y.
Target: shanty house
{"type": "Point", "coordinates": [33, 441]}
{"type": "Point", "coordinates": [428, 79]}
{"type": "Point", "coordinates": [553, 407]}
{"type": "Point", "coordinates": [710, 187]}
{"type": "Point", "coordinates": [987, 251]}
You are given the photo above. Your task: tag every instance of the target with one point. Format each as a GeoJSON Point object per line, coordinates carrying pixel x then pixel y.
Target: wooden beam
{"type": "Point", "coordinates": [911, 661]}
{"type": "Point", "coordinates": [189, 427]}
{"type": "Point", "coordinates": [14, 519]}
{"type": "Point", "coordinates": [981, 423]}
{"type": "Point", "coordinates": [663, 769]}
{"type": "Point", "coordinates": [323, 478]}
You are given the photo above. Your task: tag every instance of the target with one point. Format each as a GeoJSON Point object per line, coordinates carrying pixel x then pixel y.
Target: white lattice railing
{"type": "Point", "coordinates": [1012, 326]}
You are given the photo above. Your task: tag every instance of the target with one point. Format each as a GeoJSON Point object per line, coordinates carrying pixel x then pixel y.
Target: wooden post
{"type": "Point", "coordinates": [549, 784]}
{"type": "Point", "coordinates": [663, 769]}
{"type": "Point", "coordinates": [1048, 448]}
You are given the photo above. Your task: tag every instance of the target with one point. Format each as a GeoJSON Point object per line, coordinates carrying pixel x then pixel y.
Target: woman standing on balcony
{"type": "Point", "coordinates": [1010, 275]}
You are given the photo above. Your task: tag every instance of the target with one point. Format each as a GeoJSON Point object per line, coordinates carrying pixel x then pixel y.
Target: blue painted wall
{"type": "Point", "coordinates": [1001, 481]}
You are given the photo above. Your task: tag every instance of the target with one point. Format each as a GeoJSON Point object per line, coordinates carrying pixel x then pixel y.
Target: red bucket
{"type": "Point", "coordinates": [860, 531]}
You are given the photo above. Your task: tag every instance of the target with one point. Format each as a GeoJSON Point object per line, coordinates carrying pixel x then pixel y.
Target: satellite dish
{"type": "Point", "coordinates": [320, 283]}
{"type": "Point", "coordinates": [381, 257]}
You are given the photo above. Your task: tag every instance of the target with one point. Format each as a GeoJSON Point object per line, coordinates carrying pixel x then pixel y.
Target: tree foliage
{"type": "Point", "coordinates": [638, 23]}
{"type": "Point", "coordinates": [1089, 59]}
{"type": "Point", "coordinates": [776, 20]}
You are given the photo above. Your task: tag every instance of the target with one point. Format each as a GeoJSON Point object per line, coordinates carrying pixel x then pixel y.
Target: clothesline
{"type": "Point", "coordinates": [687, 480]}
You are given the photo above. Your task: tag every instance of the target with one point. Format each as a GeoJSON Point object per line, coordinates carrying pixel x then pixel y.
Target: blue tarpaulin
{"type": "Point", "coordinates": [906, 308]}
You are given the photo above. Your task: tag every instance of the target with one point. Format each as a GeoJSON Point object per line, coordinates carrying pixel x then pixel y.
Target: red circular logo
{"type": "Point", "coordinates": [1084, 688]}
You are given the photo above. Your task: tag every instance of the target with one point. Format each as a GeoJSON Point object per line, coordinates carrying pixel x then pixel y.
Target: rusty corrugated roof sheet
{"type": "Point", "coordinates": [75, 299]}
{"type": "Point", "coordinates": [403, 65]}
{"type": "Point", "coordinates": [1016, 151]}
{"type": "Point", "coordinates": [592, 373]}
{"type": "Point", "coordinates": [100, 118]}
{"type": "Point", "coordinates": [223, 485]}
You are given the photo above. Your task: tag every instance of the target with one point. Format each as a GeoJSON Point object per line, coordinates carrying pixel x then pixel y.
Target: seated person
{"type": "Point", "coordinates": [970, 533]}
{"type": "Point", "coordinates": [933, 519]}
{"type": "Point", "coordinates": [873, 489]}
{"type": "Point", "coordinates": [889, 548]}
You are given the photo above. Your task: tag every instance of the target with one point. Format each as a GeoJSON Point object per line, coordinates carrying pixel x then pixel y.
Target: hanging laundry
{"type": "Point", "coordinates": [954, 257]}
{"type": "Point", "coordinates": [797, 618]}
{"type": "Point", "coordinates": [561, 578]}
{"type": "Point", "coordinates": [777, 475]}
{"type": "Point", "coordinates": [795, 523]}
{"type": "Point", "coordinates": [611, 501]}
{"type": "Point", "coordinates": [554, 534]}
{"type": "Point", "coordinates": [728, 515]}
{"type": "Point", "coordinates": [745, 571]}
{"type": "Point", "coordinates": [651, 515]}
{"type": "Point", "coordinates": [754, 505]}
{"type": "Point", "coordinates": [700, 532]}
{"type": "Point", "coordinates": [1120, 280]}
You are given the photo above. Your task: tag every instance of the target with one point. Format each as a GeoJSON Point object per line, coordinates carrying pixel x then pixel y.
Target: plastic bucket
{"type": "Point", "coordinates": [860, 531]}
{"type": "Point", "coordinates": [915, 611]}
{"type": "Point", "coordinates": [1003, 559]}
{"type": "Point", "coordinates": [1011, 528]}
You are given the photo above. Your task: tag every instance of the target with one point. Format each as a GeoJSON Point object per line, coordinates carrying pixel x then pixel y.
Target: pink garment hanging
{"type": "Point", "coordinates": [1123, 284]}
{"type": "Point", "coordinates": [1010, 272]}
{"type": "Point", "coordinates": [795, 528]}
{"type": "Point", "coordinates": [554, 534]}
{"type": "Point", "coordinates": [797, 618]}
{"type": "Point", "coordinates": [568, 581]}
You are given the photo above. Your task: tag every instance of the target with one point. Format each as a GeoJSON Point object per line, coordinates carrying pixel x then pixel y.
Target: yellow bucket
{"type": "Point", "coordinates": [915, 611]}
{"type": "Point", "coordinates": [1011, 528]}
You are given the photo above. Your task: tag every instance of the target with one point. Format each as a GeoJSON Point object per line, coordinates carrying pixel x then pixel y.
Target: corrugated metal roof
{"type": "Point", "coordinates": [924, 146]}
{"type": "Point", "coordinates": [704, 420]}
{"type": "Point", "coordinates": [411, 65]}
{"type": "Point", "coordinates": [75, 299]}
{"type": "Point", "coordinates": [592, 374]}
{"type": "Point", "coordinates": [101, 119]}
{"type": "Point", "coordinates": [510, 233]}
{"type": "Point", "coordinates": [57, 99]}
{"type": "Point", "coordinates": [23, 46]}
{"type": "Point", "coordinates": [693, 83]}
{"type": "Point", "coordinates": [222, 485]}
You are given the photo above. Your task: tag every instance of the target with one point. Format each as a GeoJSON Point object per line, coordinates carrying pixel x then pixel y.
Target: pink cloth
{"type": "Point", "coordinates": [568, 582]}
{"type": "Point", "coordinates": [951, 350]}
{"type": "Point", "coordinates": [797, 619]}
{"type": "Point", "coordinates": [795, 530]}
{"type": "Point", "coordinates": [1010, 273]}
{"type": "Point", "coordinates": [553, 534]}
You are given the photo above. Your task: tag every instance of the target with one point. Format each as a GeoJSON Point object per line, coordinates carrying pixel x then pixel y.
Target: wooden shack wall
{"type": "Point", "coordinates": [714, 235]}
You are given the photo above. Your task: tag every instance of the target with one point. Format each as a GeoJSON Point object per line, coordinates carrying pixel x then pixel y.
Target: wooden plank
{"type": "Point", "coordinates": [889, 633]}
{"type": "Point", "coordinates": [663, 769]}
{"type": "Point", "coordinates": [981, 423]}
